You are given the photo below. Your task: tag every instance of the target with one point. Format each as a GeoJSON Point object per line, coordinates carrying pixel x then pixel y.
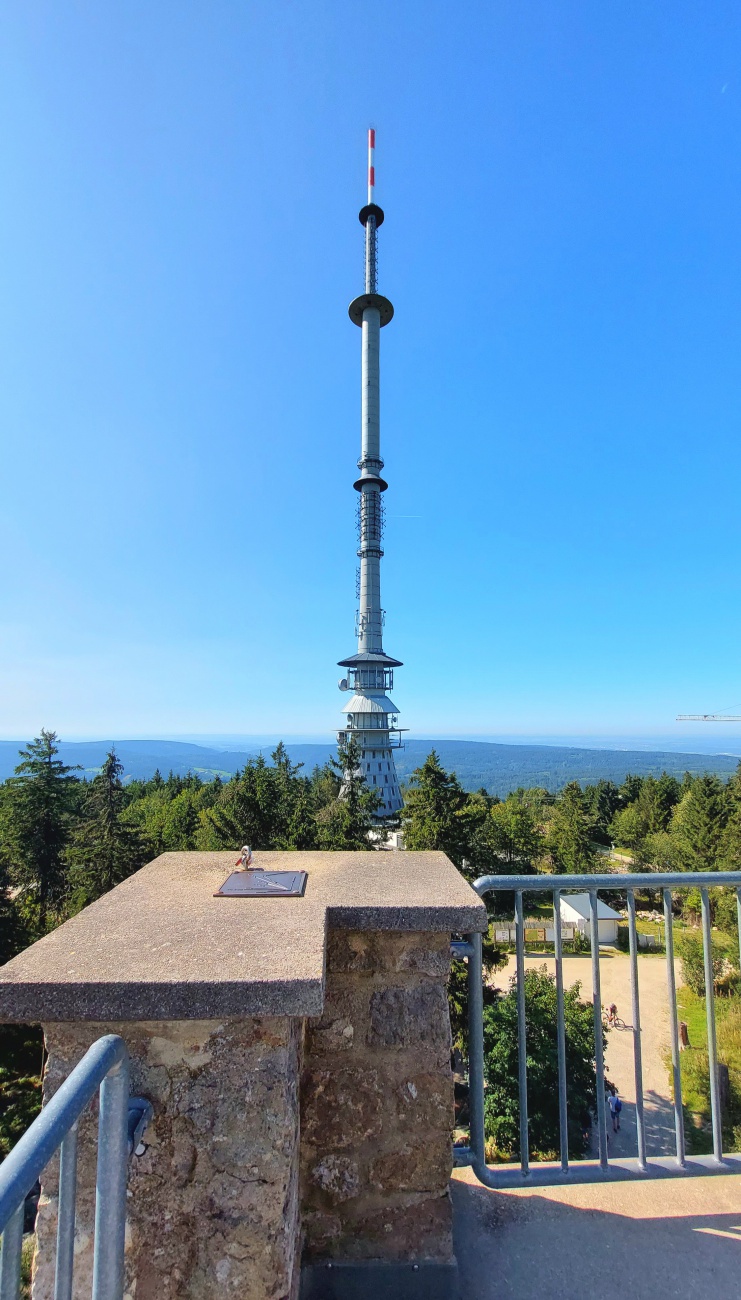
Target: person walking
{"type": "Point", "coordinates": [616, 1106]}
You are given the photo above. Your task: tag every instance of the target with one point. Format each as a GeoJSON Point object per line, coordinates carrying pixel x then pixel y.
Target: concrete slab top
{"type": "Point", "coordinates": [160, 946]}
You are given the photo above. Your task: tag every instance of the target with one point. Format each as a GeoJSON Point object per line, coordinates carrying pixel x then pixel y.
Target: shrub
{"type": "Point", "coordinates": [501, 1108]}
{"type": "Point", "coordinates": [690, 948]}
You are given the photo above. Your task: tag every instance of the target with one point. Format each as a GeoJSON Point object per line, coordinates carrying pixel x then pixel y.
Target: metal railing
{"type": "Point", "coordinates": [103, 1068]}
{"type": "Point", "coordinates": [554, 1172]}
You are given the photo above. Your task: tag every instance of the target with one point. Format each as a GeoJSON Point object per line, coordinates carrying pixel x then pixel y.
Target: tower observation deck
{"type": "Point", "coordinates": [372, 716]}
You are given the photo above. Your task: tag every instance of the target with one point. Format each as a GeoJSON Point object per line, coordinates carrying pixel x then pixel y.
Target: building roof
{"type": "Point", "coordinates": [369, 657]}
{"type": "Point", "coordinates": [580, 904]}
{"type": "Point", "coordinates": [370, 704]}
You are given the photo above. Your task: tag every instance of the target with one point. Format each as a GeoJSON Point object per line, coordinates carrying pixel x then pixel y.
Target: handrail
{"type": "Point", "coordinates": [104, 1067]}
{"type": "Point", "coordinates": [549, 1172]}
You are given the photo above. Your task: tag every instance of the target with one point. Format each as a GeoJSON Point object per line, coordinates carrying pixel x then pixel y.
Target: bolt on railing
{"type": "Point", "coordinates": [553, 1172]}
{"type": "Point", "coordinates": [103, 1068]}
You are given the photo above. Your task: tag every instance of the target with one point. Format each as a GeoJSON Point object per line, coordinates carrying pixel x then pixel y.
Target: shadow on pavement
{"type": "Point", "coordinates": [536, 1246]}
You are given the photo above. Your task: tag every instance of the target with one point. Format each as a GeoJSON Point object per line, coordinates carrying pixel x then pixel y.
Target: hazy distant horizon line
{"type": "Point", "coordinates": [704, 743]}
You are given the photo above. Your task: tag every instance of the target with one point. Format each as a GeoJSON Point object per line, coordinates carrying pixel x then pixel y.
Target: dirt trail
{"type": "Point", "coordinates": [615, 987]}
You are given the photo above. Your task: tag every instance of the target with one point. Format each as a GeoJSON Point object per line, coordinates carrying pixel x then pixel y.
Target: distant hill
{"type": "Point", "coordinates": [498, 768]}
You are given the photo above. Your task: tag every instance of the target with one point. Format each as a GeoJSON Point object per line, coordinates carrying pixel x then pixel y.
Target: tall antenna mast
{"type": "Point", "coordinates": [372, 717]}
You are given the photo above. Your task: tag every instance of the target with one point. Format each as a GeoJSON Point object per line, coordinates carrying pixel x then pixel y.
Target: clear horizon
{"type": "Point", "coordinates": [560, 395]}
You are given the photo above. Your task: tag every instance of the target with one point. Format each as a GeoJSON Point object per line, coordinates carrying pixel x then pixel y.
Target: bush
{"type": "Point", "coordinates": [690, 949]}
{"type": "Point", "coordinates": [501, 1107]}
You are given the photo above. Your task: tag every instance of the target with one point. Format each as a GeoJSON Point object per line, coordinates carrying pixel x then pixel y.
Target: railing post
{"type": "Point", "coordinates": [522, 1034]}
{"type": "Point", "coordinates": [476, 1049]}
{"type": "Point", "coordinates": [636, 1012]}
{"type": "Point", "coordinates": [110, 1187]}
{"type": "Point", "coordinates": [64, 1265]}
{"type": "Point", "coordinates": [599, 1047]}
{"type": "Point", "coordinates": [707, 952]}
{"type": "Point", "coordinates": [563, 1115]}
{"type": "Point", "coordinates": [672, 989]}
{"type": "Point", "coordinates": [10, 1260]}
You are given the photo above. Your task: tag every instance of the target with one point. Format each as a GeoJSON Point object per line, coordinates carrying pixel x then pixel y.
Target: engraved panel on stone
{"type": "Point", "coordinates": [263, 884]}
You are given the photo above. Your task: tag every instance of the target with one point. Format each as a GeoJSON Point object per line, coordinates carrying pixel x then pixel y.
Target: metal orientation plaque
{"type": "Point", "coordinates": [263, 884]}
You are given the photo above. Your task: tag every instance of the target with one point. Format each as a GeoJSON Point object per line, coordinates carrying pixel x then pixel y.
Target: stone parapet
{"type": "Point", "coordinates": [377, 1102]}
{"type": "Point", "coordinates": [213, 1204]}
{"type": "Point", "coordinates": [239, 1013]}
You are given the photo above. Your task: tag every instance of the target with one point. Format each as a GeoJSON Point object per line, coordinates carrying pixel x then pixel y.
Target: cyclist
{"type": "Point", "coordinates": [611, 1014]}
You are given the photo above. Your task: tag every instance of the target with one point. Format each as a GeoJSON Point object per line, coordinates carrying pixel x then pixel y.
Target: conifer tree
{"type": "Point", "coordinates": [698, 826]}
{"type": "Point", "coordinates": [347, 821]}
{"type": "Point", "coordinates": [105, 849]}
{"type": "Point", "coordinates": [569, 833]}
{"type": "Point", "coordinates": [433, 808]}
{"type": "Point", "coordinates": [42, 797]}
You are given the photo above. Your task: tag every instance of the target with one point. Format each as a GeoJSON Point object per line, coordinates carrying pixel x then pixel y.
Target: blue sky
{"type": "Point", "coordinates": [179, 382]}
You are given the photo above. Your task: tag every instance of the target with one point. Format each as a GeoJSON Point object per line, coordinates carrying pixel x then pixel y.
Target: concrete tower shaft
{"type": "Point", "coordinates": [371, 715]}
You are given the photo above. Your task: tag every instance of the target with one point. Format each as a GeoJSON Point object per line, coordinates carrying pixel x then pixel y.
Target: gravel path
{"type": "Point", "coordinates": [615, 987]}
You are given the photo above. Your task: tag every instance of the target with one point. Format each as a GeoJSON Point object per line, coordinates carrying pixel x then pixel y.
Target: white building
{"type": "Point", "coordinates": [575, 910]}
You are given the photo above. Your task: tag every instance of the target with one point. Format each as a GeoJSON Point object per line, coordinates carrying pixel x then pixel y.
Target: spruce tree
{"type": "Point", "coordinates": [42, 798]}
{"type": "Point", "coordinates": [346, 822]}
{"type": "Point", "coordinates": [433, 811]}
{"type": "Point", "coordinates": [570, 833]}
{"type": "Point", "coordinates": [698, 826]}
{"type": "Point", "coordinates": [105, 849]}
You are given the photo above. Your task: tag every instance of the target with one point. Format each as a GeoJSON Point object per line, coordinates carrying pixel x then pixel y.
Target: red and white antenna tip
{"type": "Point", "coordinates": [371, 164]}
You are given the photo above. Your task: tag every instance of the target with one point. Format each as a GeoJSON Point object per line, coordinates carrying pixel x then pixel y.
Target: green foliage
{"type": "Point", "coordinates": [105, 848]}
{"type": "Point", "coordinates": [569, 837]}
{"type": "Point", "coordinates": [13, 932]}
{"type": "Point", "coordinates": [21, 1048]}
{"type": "Point", "coordinates": [690, 949]}
{"type": "Point", "coordinates": [648, 813]}
{"type": "Point", "coordinates": [601, 802]}
{"type": "Point", "coordinates": [580, 942]}
{"type": "Point", "coordinates": [699, 824]}
{"type": "Point", "coordinates": [433, 809]}
{"type": "Point", "coordinates": [696, 1070]}
{"type": "Point", "coordinates": [41, 801]}
{"type": "Point", "coordinates": [347, 821]}
{"type": "Point", "coordinates": [514, 837]}
{"type": "Point", "coordinates": [492, 956]}
{"type": "Point", "coordinates": [501, 1107]}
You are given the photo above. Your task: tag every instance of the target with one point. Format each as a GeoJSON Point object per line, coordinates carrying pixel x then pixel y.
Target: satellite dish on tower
{"type": "Point", "coordinates": [343, 684]}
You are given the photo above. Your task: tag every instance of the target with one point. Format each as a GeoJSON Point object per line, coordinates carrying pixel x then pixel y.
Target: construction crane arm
{"type": "Point", "coordinates": [708, 717]}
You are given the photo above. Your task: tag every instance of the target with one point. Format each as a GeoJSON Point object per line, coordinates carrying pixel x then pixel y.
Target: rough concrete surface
{"type": "Point", "coordinates": [213, 1203]}
{"type": "Point", "coordinates": [161, 946]}
{"type": "Point", "coordinates": [377, 1102]}
{"type": "Point", "coordinates": [653, 1240]}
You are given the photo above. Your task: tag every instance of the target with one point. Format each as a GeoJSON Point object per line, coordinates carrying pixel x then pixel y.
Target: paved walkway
{"type": "Point", "coordinates": [678, 1238]}
{"type": "Point", "coordinates": [650, 1241]}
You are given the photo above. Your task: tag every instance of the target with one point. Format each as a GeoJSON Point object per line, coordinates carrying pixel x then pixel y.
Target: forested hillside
{"type": "Point", "coordinates": [66, 840]}
{"type": "Point", "coordinates": [498, 768]}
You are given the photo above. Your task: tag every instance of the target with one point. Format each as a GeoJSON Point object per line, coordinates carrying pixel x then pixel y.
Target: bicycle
{"type": "Point", "coordinates": [615, 1023]}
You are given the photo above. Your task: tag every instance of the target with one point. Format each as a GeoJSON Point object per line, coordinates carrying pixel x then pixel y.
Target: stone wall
{"type": "Point", "coordinates": [213, 1206]}
{"type": "Point", "coordinates": [377, 1102]}
{"type": "Point", "coordinates": [213, 1203]}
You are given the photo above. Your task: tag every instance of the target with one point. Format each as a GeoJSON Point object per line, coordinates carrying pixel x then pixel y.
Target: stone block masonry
{"type": "Point", "coordinates": [377, 1102]}
{"type": "Point", "coordinates": [297, 1056]}
{"type": "Point", "coordinates": [213, 1205]}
